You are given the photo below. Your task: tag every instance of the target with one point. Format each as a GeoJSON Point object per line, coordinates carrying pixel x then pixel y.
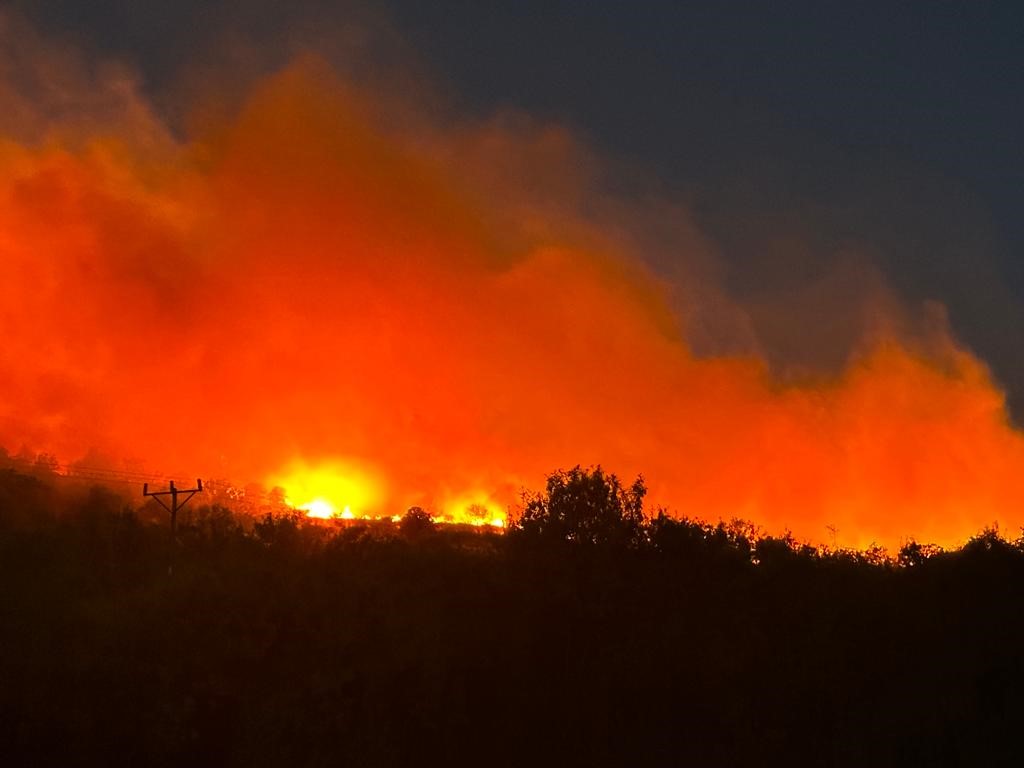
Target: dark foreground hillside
{"type": "Point", "coordinates": [589, 637]}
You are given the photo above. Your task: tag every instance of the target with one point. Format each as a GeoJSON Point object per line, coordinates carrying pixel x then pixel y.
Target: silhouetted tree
{"type": "Point", "coordinates": [586, 506]}
{"type": "Point", "coordinates": [677, 537]}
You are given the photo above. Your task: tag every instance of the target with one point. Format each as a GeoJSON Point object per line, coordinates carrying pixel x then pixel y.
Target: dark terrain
{"type": "Point", "coordinates": [589, 635]}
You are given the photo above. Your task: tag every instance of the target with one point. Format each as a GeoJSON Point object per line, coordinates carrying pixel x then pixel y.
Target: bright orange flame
{"type": "Point", "coordinates": [320, 508]}
{"type": "Point", "coordinates": [478, 509]}
{"type": "Point", "coordinates": [331, 489]}
{"type": "Point", "coordinates": [305, 279]}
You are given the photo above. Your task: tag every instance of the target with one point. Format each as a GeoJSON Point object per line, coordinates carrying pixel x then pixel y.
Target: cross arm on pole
{"type": "Point", "coordinates": [174, 493]}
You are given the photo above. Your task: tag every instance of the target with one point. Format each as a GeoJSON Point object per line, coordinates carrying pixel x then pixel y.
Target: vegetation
{"type": "Point", "coordinates": [589, 635]}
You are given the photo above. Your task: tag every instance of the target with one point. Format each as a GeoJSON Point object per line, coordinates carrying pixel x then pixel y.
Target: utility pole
{"type": "Point", "coordinates": [174, 492]}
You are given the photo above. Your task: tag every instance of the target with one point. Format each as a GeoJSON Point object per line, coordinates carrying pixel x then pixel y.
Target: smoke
{"type": "Point", "coordinates": [326, 276]}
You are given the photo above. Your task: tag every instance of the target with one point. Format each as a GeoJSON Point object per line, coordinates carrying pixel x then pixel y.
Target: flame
{"type": "Point", "coordinates": [331, 489]}
{"type": "Point", "coordinates": [443, 306]}
{"type": "Point", "coordinates": [320, 490]}
{"type": "Point", "coordinates": [319, 508]}
{"type": "Point", "coordinates": [476, 508]}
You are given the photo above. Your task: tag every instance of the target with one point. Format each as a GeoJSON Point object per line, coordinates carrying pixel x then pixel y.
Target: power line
{"type": "Point", "coordinates": [89, 473]}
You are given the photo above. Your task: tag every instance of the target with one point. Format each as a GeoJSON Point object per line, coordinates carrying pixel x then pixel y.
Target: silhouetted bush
{"type": "Point", "coordinates": [913, 553]}
{"type": "Point", "coordinates": [416, 523]}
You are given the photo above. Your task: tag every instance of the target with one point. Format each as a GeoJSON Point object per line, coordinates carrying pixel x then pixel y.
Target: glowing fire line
{"type": "Point", "coordinates": [349, 490]}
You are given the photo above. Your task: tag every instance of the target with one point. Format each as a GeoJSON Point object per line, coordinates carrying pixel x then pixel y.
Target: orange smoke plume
{"type": "Point", "coordinates": [431, 317]}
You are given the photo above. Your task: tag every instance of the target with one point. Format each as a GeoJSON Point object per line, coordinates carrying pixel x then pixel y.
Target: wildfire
{"type": "Point", "coordinates": [347, 490]}
{"type": "Point", "coordinates": [449, 308]}
{"type": "Point", "coordinates": [338, 489]}
{"type": "Point", "coordinates": [323, 509]}
{"type": "Point", "coordinates": [477, 509]}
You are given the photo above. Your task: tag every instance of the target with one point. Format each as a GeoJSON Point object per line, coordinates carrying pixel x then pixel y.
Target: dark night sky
{"type": "Point", "coordinates": [891, 126]}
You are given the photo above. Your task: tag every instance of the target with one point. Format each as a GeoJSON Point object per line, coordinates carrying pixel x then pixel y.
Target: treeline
{"type": "Point", "coordinates": [590, 634]}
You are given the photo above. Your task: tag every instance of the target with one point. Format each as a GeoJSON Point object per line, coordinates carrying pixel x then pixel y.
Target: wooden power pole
{"type": "Point", "coordinates": [176, 504]}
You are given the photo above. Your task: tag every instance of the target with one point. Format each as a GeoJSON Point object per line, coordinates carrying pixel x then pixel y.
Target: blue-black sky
{"type": "Point", "coordinates": [890, 127]}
